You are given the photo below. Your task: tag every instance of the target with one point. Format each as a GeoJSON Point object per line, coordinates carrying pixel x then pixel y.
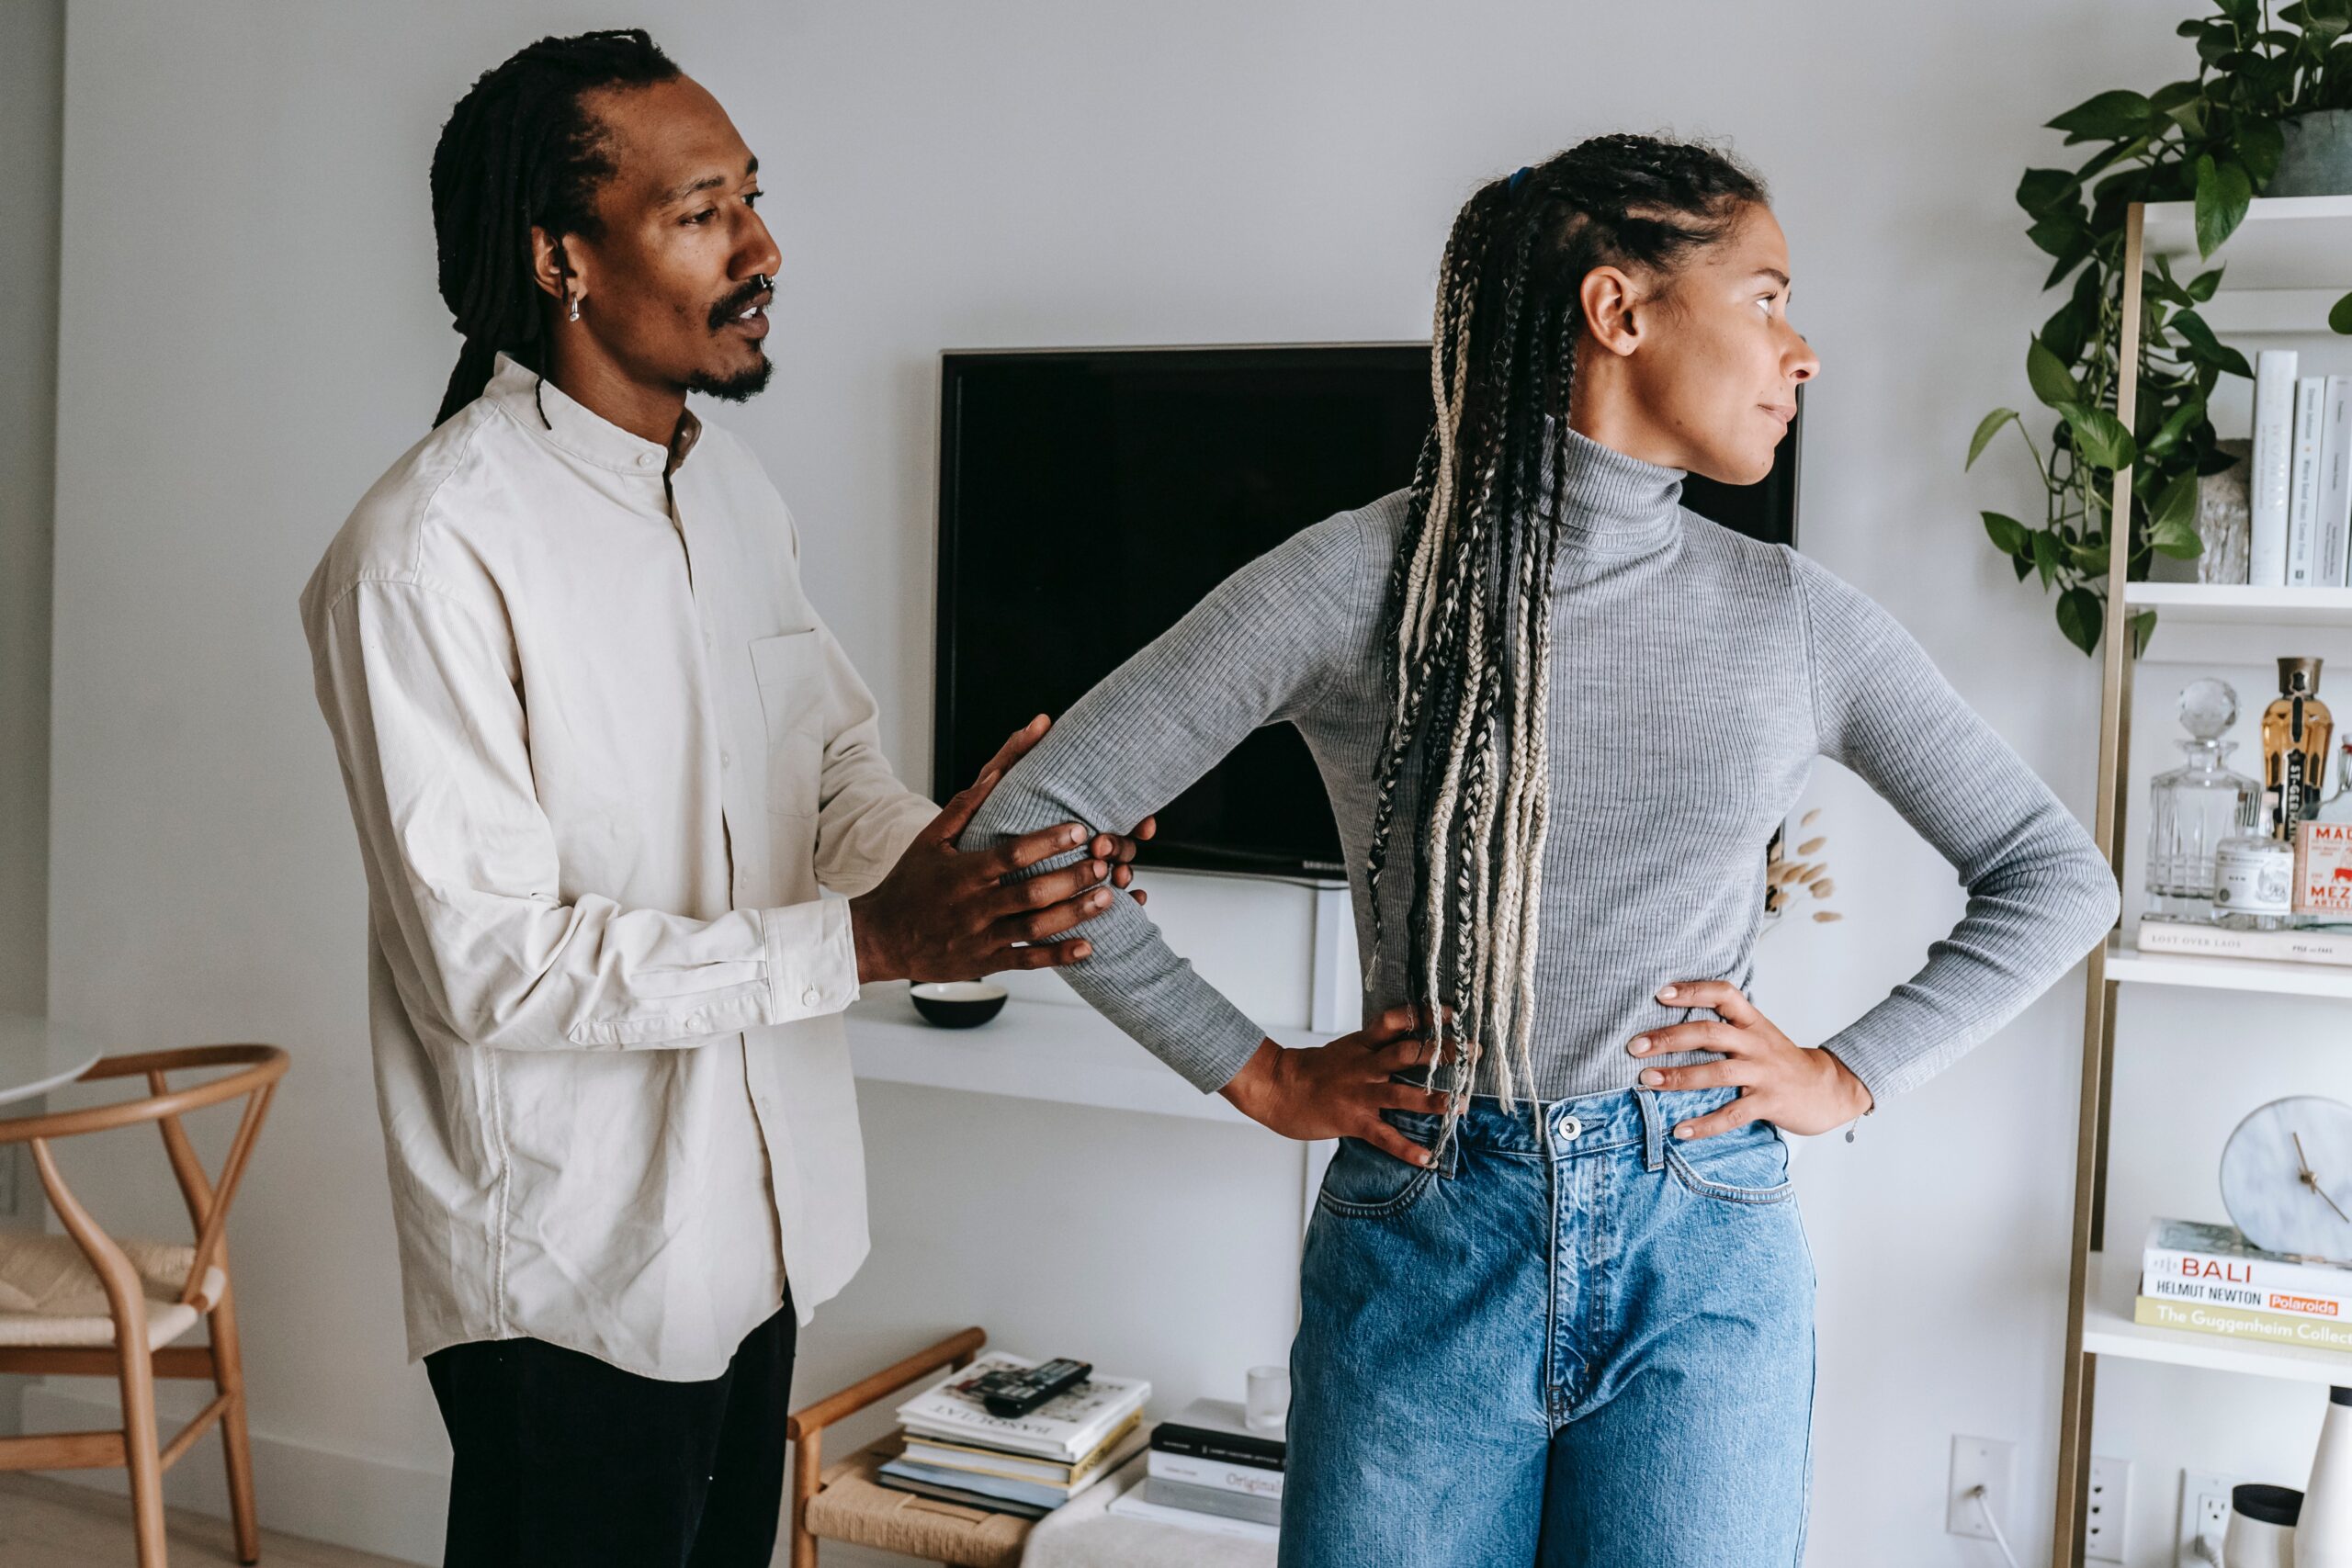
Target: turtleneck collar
{"type": "Point", "coordinates": [1616, 505]}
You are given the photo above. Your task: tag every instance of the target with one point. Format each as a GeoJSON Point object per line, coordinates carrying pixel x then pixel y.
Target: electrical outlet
{"type": "Point", "coordinates": [1979, 1462]}
{"type": "Point", "coordinates": [2108, 1511]}
{"type": "Point", "coordinates": [2204, 1517]}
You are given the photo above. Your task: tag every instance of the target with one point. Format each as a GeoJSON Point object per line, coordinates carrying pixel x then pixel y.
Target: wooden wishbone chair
{"type": "Point", "coordinates": [153, 1292]}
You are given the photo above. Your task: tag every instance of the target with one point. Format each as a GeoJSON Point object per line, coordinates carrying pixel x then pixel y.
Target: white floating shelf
{"type": "Point", "coordinates": [2286, 241]}
{"type": "Point", "coordinates": [2215, 605]}
{"type": "Point", "coordinates": [2129, 964]}
{"type": "Point", "coordinates": [1030, 1051]}
{"type": "Point", "coordinates": [2107, 1330]}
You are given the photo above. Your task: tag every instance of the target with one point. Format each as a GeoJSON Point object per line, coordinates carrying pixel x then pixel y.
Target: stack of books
{"type": "Point", "coordinates": [2300, 482]}
{"type": "Point", "coordinates": [1025, 1465]}
{"type": "Point", "coordinates": [2209, 1280]}
{"type": "Point", "coordinates": [1209, 1471]}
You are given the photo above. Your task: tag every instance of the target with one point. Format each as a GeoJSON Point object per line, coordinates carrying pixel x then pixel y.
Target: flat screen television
{"type": "Point", "coordinates": [1088, 498]}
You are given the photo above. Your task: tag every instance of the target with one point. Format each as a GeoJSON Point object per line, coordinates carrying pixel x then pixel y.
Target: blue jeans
{"type": "Point", "coordinates": [1574, 1341]}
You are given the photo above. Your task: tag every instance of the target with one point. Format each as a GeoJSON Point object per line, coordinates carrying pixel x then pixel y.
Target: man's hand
{"type": "Point", "coordinates": [1339, 1091]}
{"type": "Point", "coordinates": [944, 915]}
{"type": "Point", "coordinates": [1778, 1080]}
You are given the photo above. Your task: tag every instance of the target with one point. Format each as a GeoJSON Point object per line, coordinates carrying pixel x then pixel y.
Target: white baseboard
{"type": "Point", "coordinates": [369, 1504]}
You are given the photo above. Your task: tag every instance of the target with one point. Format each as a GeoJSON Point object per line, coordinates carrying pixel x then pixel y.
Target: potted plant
{"type": "Point", "coordinates": [2215, 139]}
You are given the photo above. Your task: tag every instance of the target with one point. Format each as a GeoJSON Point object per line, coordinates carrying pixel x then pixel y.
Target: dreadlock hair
{"type": "Point", "coordinates": [520, 151]}
{"type": "Point", "coordinates": [1468, 613]}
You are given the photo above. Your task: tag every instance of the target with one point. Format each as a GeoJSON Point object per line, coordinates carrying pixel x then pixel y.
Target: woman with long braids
{"type": "Point", "coordinates": [1556, 1304]}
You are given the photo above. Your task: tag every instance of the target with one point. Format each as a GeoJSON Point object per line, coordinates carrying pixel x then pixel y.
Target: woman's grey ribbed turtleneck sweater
{"type": "Point", "coordinates": [1695, 675]}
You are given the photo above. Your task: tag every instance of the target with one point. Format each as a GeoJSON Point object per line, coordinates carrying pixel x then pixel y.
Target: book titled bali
{"type": "Point", "coordinates": [1066, 1428]}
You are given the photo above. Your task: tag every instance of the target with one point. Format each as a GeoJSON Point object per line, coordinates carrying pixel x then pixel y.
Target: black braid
{"type": "Point", "coordinates": [1509, 315]}
{"type": "Point", "coordinates": [520, 151]}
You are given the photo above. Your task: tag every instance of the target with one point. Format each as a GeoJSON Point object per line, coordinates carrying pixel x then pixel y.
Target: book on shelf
{"type": "Point", "coordinates": [2305, 944]}
{"type": "Point", "coordinates": [1223, 1475]}
{"type": "Point", "coordinates": [963, 1496]}
{"type": "Point", "coordinates": [1214, 1429]}
{"type": "Point", "coordinates": [2191, 1251]}
{"type": "Point", "coordinates": [1215, 1500]}
{"type": "Point", "coordinates": [983, 1482]}
{"type": "Point", "coordinates": [2253, 1298]}
{"type": "Point", "coordinates": [2242, 1322]}
{"type": "Point", "coordinates": [1132, 1504]}
{"type": "Point", "coordinates": [1064, 1428]}
{"type": "Point", "coordinates": [2271, 474]}
{"type": "Point", "coordinates": [2333, 548]}
{"type": "Point", "coordinates": [2303, 493]}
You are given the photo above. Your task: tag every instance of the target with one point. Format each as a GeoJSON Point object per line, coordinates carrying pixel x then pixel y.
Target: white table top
{"type": "Point", "coordinates": [38, 1055]}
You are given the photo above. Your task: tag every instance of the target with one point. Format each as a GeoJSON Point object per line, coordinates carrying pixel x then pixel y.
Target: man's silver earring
{"type": "Point", "coordinates": [575, 309]}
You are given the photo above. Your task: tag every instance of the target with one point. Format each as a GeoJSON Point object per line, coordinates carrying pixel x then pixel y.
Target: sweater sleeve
{"type": "Point", "coordinates": [1260, 648]}
{"type": "Point", "coordinates": [2039, 894]}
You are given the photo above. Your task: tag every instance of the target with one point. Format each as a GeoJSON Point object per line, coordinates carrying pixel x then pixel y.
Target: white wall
{"type": "Point", "coordinates": [250, 335]}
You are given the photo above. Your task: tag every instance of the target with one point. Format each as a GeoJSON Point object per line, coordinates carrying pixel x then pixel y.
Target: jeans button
{"type": "Point", "coordinates": [1570, 1129]}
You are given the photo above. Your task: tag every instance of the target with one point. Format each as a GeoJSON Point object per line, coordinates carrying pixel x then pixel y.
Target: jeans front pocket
{"type": "Point", "coordinates": [1747, 1165]}
{"type": "Point", "coordinates": [1366, 1182]}
{"type": "Point", "coordinates": [792, 700]}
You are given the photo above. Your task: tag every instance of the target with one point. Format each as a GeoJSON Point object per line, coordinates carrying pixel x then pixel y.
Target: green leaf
{"type": "Point", "coordinates": [2056, 233]}
{"type": "Point", "coordinates": [2175, 425]}
{"type": "Point", "coordinates": [2081, 617]}
{"type": "Point", "coordinates": [2143, 626]}
{"type": "Point", "coordinates": [2048, 552]}
{"type": "Point", "coordinates": [2048, 376]}
{"type": "Point", "coordinates": [2197, 334]}
{"type": "Point", "coordinates": [2222, 193]}
{"type": "Point", "coordinates": [2009, 536]}
{"type": "Point", "coordinates": [2099, 436]}
{"type": "Point", "coordinates": [2201, 287]}
{"type": "Point", "coordinates": [2176, 506]}
{"type": "Point", "coordinates": [2109, 117]}
{"type": "Point", "coordinates": [2042, 189]}
{"type": "Point", "coordinates": [1987, 428]}
{"type": "Point", "coordinates": [2066, 332]}
{"type": "Point", "coordinates": [2260, 144]}
{"type": "Point", "coordinates": [2023, 566]}
{"type": "Point", "coordinates": [2339, 315]}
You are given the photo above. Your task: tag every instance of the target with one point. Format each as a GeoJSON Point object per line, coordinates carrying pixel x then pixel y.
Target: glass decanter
{"type": "Point", "coordinates": [2196, 805]}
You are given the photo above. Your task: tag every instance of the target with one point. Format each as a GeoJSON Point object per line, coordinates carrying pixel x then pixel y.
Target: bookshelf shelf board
{"type": "Point", "coordinates": [2129, 964]}
{"type": "Point", "coordinates": [1030, 1051]}
{"type": "Point", "coordinates": [2107, 1330]}
{"type": "Point", "coordinates": [2216, 605]}
{"type": "Point", "coordinates": [2290, 242]}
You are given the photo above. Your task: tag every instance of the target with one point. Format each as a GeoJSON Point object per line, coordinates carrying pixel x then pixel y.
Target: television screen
{"type": "Point", "coordinates": [1088, 498]}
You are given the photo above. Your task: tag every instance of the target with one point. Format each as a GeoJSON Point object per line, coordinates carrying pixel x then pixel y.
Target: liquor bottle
{"type": "Point", "coordinates": [2296, 730]}
{"type": "Point", "coordinates": [2254, 876]}
{"type": "Point", "coordinates": [2196, 805]}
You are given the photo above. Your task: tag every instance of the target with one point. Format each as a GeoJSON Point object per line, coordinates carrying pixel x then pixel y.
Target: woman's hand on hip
{"type": "Point", "coordinates": [1339, 1091]}
{"type": "Point", "coordinates": [1779, 1081]}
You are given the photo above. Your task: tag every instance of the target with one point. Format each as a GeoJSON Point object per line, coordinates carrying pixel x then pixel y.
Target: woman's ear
{"type": "Point", "coordinates": [1610, 297]}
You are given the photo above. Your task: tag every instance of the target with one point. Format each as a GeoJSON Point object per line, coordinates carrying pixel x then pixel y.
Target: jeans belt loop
{"type": "Point", "coordinates": [1653, 1130]}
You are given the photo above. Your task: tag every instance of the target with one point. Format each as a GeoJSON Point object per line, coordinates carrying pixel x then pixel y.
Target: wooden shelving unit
{"type": "Point", "coordinates": [2286, 263]}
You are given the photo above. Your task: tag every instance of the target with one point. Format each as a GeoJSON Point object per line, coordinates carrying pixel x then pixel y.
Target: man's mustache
{"type": "Point", "coordinates": [727, 309]}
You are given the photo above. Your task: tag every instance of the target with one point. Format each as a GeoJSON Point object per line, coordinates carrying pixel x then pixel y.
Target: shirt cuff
{"type": "Point", "coordinates": [811, 959]}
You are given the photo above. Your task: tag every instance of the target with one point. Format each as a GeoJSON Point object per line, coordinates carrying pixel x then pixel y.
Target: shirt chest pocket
{"type": "Point", "coordinates": [790, 671]}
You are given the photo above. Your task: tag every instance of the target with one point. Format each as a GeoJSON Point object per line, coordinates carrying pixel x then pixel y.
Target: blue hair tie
{"type": "Point", "coordinates": [1518, 179]}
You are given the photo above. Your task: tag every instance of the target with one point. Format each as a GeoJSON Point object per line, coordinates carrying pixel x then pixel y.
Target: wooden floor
{"type": "Point", "coordinates": [47, 1523]}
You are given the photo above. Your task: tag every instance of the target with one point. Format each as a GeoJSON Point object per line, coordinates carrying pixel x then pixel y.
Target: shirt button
{"type": "Point", "coordinates": [726, 758]}
{"type": "Point", "coordinates": [645, 459]}
{"type": "Point", "coordinates": [1570, 1129]}
{"type": "Point", "coordinates": [809, 997]}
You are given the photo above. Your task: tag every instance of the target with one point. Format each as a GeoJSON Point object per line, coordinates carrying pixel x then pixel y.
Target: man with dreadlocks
{"type": "Point", "coordinates": [602, 756]}
{"type": "Point", "coordinates": [1556, 1304]}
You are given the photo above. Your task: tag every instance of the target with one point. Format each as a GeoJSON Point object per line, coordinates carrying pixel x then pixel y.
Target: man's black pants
{"type": "Point", "coordinates": [565, 1461]}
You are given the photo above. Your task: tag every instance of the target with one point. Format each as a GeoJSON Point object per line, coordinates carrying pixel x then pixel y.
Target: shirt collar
{"type": "Point", "coordinates": [540, 404]}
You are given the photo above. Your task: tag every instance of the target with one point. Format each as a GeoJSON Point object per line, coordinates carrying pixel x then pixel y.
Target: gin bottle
{"type": "Point", "coordinates": [2196, 805]}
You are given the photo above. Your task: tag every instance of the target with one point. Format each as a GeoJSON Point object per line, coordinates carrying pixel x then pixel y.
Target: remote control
{"type": "Point", "coordinates": [1012, 1394]}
